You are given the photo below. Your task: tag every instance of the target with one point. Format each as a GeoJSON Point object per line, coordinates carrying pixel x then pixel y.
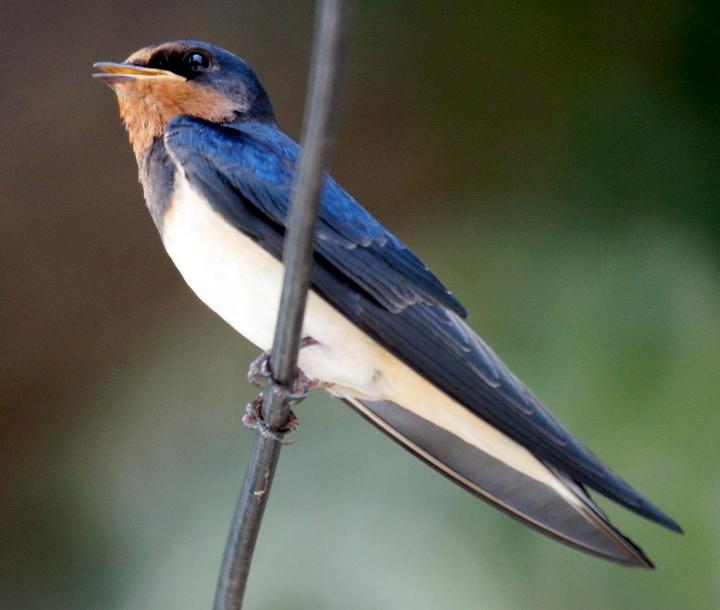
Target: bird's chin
{"type": "Point", "coordinates": [116, 81]}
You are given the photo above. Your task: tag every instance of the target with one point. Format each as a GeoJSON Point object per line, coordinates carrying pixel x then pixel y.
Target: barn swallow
{"type": "Point", "coordinates": [385, 335]}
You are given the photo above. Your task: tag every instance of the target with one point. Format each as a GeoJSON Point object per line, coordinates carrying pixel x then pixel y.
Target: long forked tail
{"type": "Point", "coordinates": [551, 503]}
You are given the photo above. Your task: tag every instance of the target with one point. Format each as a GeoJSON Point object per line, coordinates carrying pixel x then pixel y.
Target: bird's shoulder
{"type": "Point", "coordinates": [250, 166]}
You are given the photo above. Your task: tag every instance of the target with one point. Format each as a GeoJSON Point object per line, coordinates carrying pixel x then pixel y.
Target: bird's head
{"type": "Point", "coordinates": [184, 77]}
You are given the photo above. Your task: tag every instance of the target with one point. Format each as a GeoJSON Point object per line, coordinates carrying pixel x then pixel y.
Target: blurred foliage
{"type": "Point", "coordinates": [555, 163]}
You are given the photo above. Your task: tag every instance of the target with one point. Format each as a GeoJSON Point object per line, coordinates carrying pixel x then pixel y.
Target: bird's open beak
{"type": "Point", "coordinates": [115, 74]}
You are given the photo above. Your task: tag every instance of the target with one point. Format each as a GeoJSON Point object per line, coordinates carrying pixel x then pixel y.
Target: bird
{"type": "Point", "coordinates": [381, 331]}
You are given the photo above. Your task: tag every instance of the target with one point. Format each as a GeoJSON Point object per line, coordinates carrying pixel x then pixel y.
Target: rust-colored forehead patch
{"type": "Point", "coordinates": [143, 56]}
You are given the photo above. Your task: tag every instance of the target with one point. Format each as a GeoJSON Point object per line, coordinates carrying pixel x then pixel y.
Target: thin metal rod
{"type": "Point", "coordinates": [332, 27]}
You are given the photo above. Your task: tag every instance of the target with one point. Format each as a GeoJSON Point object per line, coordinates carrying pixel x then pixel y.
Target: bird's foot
{"type": "Point", "coordinates": [253, 419]}
{"type": "Point", "coordinates": [259, 371]}
{"type": "Point", "coordinates": [260, 374]}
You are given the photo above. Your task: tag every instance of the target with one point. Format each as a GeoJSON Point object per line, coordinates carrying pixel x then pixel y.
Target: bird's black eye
{"type": "Point", "coordinates": [196, 60]}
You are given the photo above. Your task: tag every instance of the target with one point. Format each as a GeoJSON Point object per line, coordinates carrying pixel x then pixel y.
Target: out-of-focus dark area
{"type": "Point", "coordinates": [558, 165]}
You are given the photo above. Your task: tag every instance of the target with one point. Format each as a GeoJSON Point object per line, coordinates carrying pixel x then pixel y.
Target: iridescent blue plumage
{"type": "Point", "coordinates": [254, 162]}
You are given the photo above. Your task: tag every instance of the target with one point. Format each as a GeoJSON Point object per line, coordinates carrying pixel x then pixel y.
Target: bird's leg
{"type": "Point", "coordinates": [261, 370]}
{"type": "Point", "coordinates": [260, 374]}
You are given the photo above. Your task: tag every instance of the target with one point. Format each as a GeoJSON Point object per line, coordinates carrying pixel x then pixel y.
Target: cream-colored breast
{"type": "Point", "coordinates": [241, 282]}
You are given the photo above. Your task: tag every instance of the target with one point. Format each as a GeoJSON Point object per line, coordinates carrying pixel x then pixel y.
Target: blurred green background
{"type": "Point", "coordinates": [557, 164]}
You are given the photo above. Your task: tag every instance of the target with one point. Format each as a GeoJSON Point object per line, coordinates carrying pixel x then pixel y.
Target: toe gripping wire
{"type": "Point", "coordinates": [260, 374]}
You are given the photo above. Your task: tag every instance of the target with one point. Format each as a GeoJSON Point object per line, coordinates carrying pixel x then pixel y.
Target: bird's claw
{"type": "Point", "coordinates": [301, 388]}
{"type": "Point", "coordinates": [260, 371]}
{"type": "Point", "coordinates": [253, 419]}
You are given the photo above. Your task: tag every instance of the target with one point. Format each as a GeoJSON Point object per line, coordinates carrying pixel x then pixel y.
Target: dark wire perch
{"type": "Point", "coordinates": [332, 28]}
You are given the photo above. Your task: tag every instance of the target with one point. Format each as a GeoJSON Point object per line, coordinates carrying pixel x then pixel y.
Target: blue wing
{"type": "Point", "coordinates": [371, 277]}
{"type": "Point", "coordinates": [255, 163]}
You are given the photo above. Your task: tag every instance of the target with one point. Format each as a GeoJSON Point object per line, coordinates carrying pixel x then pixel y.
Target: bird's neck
{"type": "Point", "coordinates": [157, 175]}
{"type": "Point", "coordinates": [144, 123]}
